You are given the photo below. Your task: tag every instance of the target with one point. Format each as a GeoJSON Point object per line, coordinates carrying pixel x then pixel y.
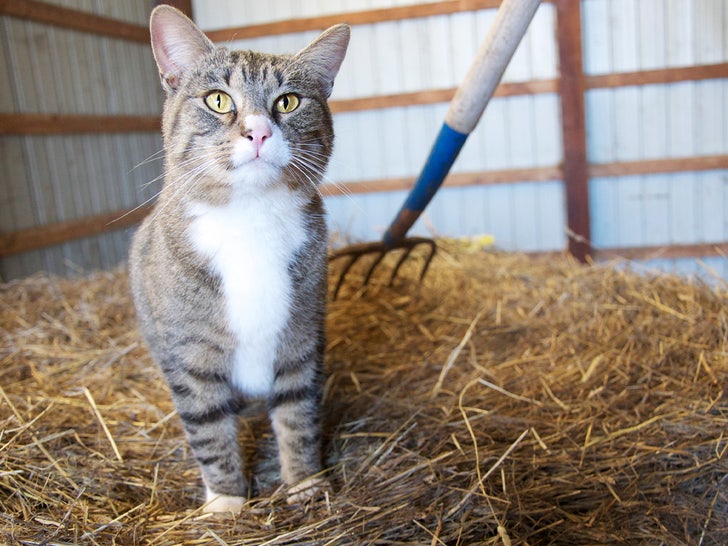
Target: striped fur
{"type": "Point", "coordinates": [228, 273]}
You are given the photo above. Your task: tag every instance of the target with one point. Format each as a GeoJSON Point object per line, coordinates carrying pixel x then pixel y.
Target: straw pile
{"type": "Point", "coordinates": [508, 400]}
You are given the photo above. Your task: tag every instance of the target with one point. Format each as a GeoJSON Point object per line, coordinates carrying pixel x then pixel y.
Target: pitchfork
{"type": "Point", "coordinates": [466, 109]}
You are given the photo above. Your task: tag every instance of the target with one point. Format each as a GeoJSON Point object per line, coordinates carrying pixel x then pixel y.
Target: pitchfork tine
{"type": "Point", "coordinates": [433, 250]}
{"type": "Point", "coordinates": [374, 265]}
{"type": "Point", "coordinates": [401, 260]}
{"type": "Point", "coordinates": [347, 267]}
{"type": "Point", "coordinates": [465, 110]}
{"type": "Point", "coordinates": [410, 247]}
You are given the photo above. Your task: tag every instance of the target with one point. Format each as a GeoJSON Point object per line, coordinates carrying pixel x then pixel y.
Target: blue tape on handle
{"type": "Point", "coordinates": [444, 151]}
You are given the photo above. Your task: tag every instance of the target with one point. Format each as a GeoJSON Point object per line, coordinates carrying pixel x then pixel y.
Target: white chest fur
{"type": "Point", "coordinates": [250, 243]}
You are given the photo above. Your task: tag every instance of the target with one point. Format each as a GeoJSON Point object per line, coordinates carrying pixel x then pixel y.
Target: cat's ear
{"type": "Point", "coordinates": [326, 53]}
{"type": "Point", "coordinates": [177, 44]}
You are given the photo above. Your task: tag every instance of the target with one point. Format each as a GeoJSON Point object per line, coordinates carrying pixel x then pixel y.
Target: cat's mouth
{"type": "Point", "coordinates": [251, 164]}
{"type": "Point", "coordinates": [257, 172]}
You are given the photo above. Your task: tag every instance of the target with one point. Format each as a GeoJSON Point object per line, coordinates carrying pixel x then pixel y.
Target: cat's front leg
{"type": "Point", "coordinates": [215, 446]}
{"type": "Point", "coordinates": [295, 417]}
{"type": "Point", "coordinates": [208, 408]}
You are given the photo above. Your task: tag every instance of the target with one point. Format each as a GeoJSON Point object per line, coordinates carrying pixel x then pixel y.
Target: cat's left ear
{"type": "Point", "coordinates": [326, 53]}
{"type": "Point", "coordinates": [177, 44]}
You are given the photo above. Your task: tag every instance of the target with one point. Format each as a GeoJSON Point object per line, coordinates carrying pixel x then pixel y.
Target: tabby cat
{"type": "Point", "coordinates": [228, 272]}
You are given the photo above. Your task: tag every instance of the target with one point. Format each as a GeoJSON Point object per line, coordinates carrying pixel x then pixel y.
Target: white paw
{"type": "Point", "coordinates": [223, 503]}
{"type": "Point", "coordinates": [307, 490]}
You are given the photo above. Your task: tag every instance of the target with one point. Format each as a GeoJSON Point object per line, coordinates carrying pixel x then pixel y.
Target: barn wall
{"type": "Point", "coordinates": [50, 180]}
{"type": "Point", "coordinates": [656, 102]}
{"type": "Point", "coordinates": [655, 122]}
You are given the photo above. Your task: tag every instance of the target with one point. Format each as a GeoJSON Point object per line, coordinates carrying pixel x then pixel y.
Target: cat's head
{"type": "Point", "coordinates": [243, 120]}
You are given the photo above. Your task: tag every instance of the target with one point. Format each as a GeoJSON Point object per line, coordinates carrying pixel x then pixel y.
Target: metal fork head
{"type": "Point", "coordinates": [353, 253]}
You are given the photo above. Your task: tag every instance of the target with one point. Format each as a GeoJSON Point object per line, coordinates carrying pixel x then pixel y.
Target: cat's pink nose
{"type": "Point", "coordinates": [257, 130]}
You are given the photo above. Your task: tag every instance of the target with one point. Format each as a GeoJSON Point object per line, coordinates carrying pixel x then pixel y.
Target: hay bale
{"type": "Point", "coordinates": [506, 401]}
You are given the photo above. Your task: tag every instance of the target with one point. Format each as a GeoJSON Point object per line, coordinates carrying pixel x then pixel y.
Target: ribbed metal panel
{"type": "Point", "coordinates": [48, 179]}
{"type": "Point", "coordinates": [676, 120]}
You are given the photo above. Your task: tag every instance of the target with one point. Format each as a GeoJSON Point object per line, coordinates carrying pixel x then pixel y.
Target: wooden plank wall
{"type": "Point", "coordinates": [653, 87]}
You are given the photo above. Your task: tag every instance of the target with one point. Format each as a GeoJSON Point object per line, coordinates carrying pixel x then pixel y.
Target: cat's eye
{"type": "Point", "coordinates": [220, 102]}
{"type": "Point", "coordinates": [287, 103]}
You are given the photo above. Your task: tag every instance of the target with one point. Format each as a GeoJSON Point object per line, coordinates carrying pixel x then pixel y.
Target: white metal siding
{"type": "Point", "coordinates": [657, 122]}
{"type": "Point", "coordinates": [48, 179]}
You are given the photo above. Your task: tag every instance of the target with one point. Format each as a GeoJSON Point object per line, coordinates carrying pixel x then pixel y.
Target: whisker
{"type": "Point", "coordinates": [132, 211]}
{"type": "Point", "coordinates": [156, 156]}
{"type": "Point", "coordinates": [294, 168]}
{"type": "Point", "coordinates": [204, 164]}
{"type": "Point", "coordinates": [343, 189]}
{"type": "Point", "coordinates": [313, 151]}
{"type": "Point", "coordinates": [188, 182]}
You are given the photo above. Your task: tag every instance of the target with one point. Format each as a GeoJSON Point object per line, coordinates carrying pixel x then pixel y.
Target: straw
{"type": "Point", "coordinates": [507, 400]}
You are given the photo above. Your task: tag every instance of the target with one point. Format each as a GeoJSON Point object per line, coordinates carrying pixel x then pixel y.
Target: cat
{"type": "Point", "coordinates": [229, 271]}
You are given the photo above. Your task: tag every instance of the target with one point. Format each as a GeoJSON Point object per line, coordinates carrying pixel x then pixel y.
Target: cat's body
{"type": "Point", "coordinates": [229, 271]}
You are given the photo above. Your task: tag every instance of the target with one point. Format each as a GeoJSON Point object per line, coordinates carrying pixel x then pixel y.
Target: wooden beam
{"type": "Point", "coordinates": [455, 180]}
{"type": "Point", "coordinates": [572, 89]}
{"type": "Point", "coordinates": [83, 21]}
{"type": "Point", "coordinates": [671, 251]}
{"type": "Point", "coordinates": [30, 123]}
{"type": "Point", "coordinates": [657, 166]}
{"type": "Point", "coordinates": [434, 96]}
{"type": "Point", "coordinates": [43, 236]}
{"type": "Point", "coordinates": [377, 102]}
{"type": "Point", "coordinates": [367, 17]}
{"type": "Point", "coordinates": [661, 76]}
{"type": "Point", "coordinates": [62, 124]}
{"type": "Point", "coordinates": [62, 232]}
{"type": "Point", "coordinates": [536, 174]}
{"type": "Point", "coordinates": [53, 234]}
{"type": "Point", "coordinates": [534, 87]}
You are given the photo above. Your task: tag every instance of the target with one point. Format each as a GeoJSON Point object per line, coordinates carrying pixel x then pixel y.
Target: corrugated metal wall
{"type": "Point", "coordinates": [658, 122]}
{"type": "Point", "coordinates": [51, 179]}
{"type": "Point", "coordinates": [507, 181]}
{"type": "Point", "coordinates": [516, 132]}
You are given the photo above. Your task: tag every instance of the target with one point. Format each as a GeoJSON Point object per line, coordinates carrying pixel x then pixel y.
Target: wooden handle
{"type": "Point", "coordinates": [493, 56]}
{"type": "Point", "coordinates": [466, 109]}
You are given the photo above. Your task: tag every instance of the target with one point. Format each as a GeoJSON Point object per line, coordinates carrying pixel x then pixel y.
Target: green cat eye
{"type": "Point", "coordinates": [287, 103]}
{"type": "Point", "coordinates": [220, 102]}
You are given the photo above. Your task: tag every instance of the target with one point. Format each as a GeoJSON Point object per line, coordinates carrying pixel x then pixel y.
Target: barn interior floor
{"type": "Point", "coordinates": [506, 400]}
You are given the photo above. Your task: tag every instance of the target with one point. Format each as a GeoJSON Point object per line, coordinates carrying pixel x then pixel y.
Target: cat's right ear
{"type": "Point", "coordinates": [177, 44]}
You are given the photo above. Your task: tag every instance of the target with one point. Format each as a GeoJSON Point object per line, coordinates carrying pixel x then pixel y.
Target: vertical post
{"type": "Point", "coordinates": [573, 127]}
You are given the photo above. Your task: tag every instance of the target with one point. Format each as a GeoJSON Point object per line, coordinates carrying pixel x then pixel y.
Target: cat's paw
{"type": "Point", "coordinates": [223, 503]}
{"type": "Point", "coordinates": [308, 490]}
